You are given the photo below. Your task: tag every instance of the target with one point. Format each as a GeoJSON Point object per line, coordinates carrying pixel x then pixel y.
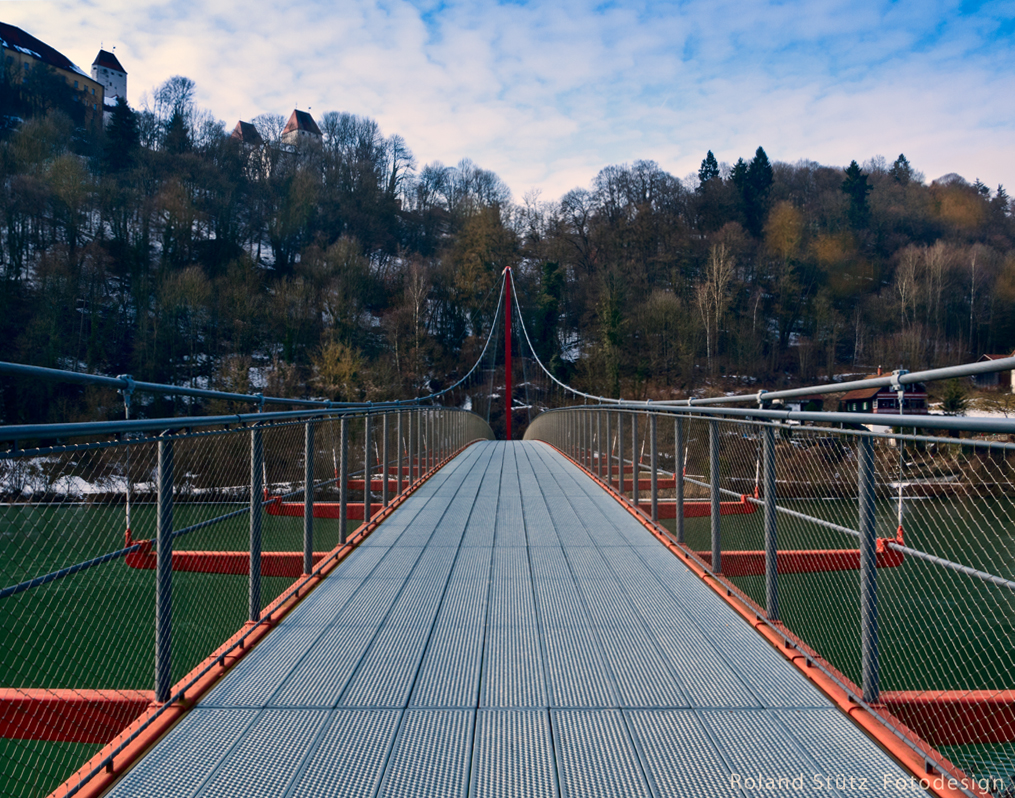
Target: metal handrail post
{"type": "Point", "coordinates": [343, 479]}
{"type": "Point", "coordinates": [384, 456]}
{"type": "Point", "coordinates": [579, 436]}
{"type": "Point", "coordinates": [164, 573]}
{"type": "Point", "coordinates": [678, 474]}
{"type": "Point", "coordinates": [308, 498]}
{"type": "Point", "coordinates": [654, 465]}
{"type": "Point", "coordinates": [367, 468]}
{"type": "Point", "coordinates": [428, 440]}
{"type": "Point", "coordinates": [398, 449]}
{"type": "Point", "coordinates": [256, 504]}
{"type": "Point", "coordinates": [588, 440]}
{"type": "Point", "coordinates": [609, 450]}
{"type": "Point", "coordinates": [771, 536]}
{"type": "Point", "coordinates": [620, 452]}
{"type": "Point", "coordinates": [635, 466]}
{"type": "Point", "coordinates": [713, 465]}
{"type": "Point", "coordinates": [868, 571]}
{"type": "Point", "coordinates": [599, 443]}
{"type": "Point", "coordinates": [584, 419]}
{"type": "Point", "coordinates": [411, 445]}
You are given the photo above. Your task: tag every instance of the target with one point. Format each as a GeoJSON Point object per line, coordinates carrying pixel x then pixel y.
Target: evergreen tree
{"type": "Point", "coordinates": [739, 174]}
{"type": "Point", "coordinates": [902, 170]}
{"type": "Point", "coordinates": [123, 138]}
{"type": "Point", "coordinates": [855, 187]}
{"type": "Point", "coordinates": [1001, 202]}
{"type": "Point", "coordinates": [981, 188]}
{"type": "Point", "coordinates": [757, 185]}
{"type": "Point", "coordinates": [177, 139]}
{"type": "Point", "coordinates": [709, 170]}
{"type": "Point", "coordinates": [955, 401]}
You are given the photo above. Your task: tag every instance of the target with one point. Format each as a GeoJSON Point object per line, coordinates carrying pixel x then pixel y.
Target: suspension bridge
{"type": "Point", "coordinates": [712, 596]}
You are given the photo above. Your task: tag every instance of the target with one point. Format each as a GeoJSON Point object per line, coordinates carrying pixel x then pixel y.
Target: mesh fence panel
{"type": "Point", "coordinates": [944, 648]}
{"type": "Point", "coordinates": [78, 591]}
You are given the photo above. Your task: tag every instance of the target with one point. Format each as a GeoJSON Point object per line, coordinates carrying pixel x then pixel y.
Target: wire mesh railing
{"type": "Point", "coordinates": [137, 558]}
{"type": "Point", "coordinates": [882, 554]}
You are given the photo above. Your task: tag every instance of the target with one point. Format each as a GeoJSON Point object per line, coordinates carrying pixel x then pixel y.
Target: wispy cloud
{"type": "Point", "coordinates": [546, 94]}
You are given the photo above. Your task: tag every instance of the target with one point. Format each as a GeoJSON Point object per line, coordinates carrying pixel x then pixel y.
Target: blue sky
{"type": "Point", "coordinates": [546, 94]}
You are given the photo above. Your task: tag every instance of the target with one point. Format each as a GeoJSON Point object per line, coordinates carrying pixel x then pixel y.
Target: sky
{"type": "Point", "coordinates": [546, 94]}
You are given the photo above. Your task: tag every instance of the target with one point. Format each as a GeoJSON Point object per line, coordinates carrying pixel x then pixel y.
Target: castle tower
{"type": "Point", "coordinates": [300, 126]}
{"type": "Point", "coordinates": [106, 69]}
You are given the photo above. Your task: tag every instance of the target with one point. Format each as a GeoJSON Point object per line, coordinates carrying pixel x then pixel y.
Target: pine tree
{"type": "Point", "coordinates": [756, 188]}
{"type": "Point", "coordinates": [123, 137]}
{"type": "Point", "coordinates": [981, 188]}
{"type": "Point", "coordinates": [739, 174]}
{"type": "Point", "coordinates": [177, 139]}
{"type": "Point", "coordinates": [855, 187]}
{"type": "Point", "coordinates": [902, 170]}
{"type": "Point", "coordinates": [709, 170]}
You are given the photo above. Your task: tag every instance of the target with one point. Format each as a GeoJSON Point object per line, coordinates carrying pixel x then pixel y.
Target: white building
{"type": "Point", "coordinates": [107, 70]}
{"type": "Point", "coordinates": [301, 126]}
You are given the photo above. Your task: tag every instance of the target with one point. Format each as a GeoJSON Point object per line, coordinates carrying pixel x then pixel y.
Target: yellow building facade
{"type": "Point", "coordinates": [20, 53]}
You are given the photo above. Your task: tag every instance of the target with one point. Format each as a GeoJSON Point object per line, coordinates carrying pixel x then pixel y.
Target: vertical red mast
{"type": "Point", "coordinates": [507, 346]}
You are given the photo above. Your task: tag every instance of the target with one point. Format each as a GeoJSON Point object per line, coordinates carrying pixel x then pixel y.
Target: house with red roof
{"type": "Point", "coordinates": [996, 379]}
{"type": "Point", "coordinates": [300, 127]}
{"type": "Point", "coordinates": [107, 70]}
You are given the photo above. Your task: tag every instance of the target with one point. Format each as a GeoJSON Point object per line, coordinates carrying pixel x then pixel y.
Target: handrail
{"type": "Point", "coordinates": [79, 429]}
{"type": "Point", "coordinates": [961, 423]}
{"type": "Point", "coordinates": [894, 380]}
{"type": "Point", "coordinates": [128, 385]}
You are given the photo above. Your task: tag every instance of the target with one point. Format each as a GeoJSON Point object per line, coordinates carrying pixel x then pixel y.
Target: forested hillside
{"type": "Point", "coordinates": [165, 249]}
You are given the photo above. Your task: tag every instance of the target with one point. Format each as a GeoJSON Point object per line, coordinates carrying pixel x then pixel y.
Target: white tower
{"type": "Point", "coordinates": [113, 77]}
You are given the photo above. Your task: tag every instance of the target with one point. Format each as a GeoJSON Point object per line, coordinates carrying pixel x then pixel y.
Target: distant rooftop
{"type": "Point", "coordinates": [109, 61]}
{"type": "Point", "coordinates": [13, 38]}
{"type": "Point", "coordinates": [301, 120]}
{"type": "Point", "coordinates": [247, 133]}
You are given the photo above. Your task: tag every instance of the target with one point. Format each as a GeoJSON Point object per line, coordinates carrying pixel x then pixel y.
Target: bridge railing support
{"type": "Point", "coordinates": [715, 494]}
{"type": "Point", "coordinates": [654, 464]}
{"type": "Point", "coordinates": [868, 571]}
{"type": "Point", "coordinates": [308, 497]}
{"type": "Point", "coordinates": [164, 572]}
{"type": "Point", "coordinates": [771, 534]}
{"type": "Point", "coordinates": [256, 504]}
{"type": "Point", "coordinates": [635, 460]}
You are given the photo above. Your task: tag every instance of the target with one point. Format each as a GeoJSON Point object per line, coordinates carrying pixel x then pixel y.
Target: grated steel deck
{"type": "Point", "coordinates": [511, 631]}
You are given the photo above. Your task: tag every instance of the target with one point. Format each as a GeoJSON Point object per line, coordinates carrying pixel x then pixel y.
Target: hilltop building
{"type": "Point", "coordinates": [247, 134]}
{"type": "Point", "coordinates": [300, 127]}
{"type": "Point", "coordinates": [107, 70]}
{"type": "Point", "coordinates": [20, 53]}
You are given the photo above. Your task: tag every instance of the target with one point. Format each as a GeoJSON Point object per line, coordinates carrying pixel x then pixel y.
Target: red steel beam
{"type": "Point", "coordinates": [354, 510]}
{"type": "Point", "coordinates": [699, 509]}
{"type": "Point", "coordinates": [375, 484]}
{"type": "Point", "coordinates": [662, 483]}
{"type": "Point", "coordinates": [956, 717]}
{"type": "Point", "coordinates": [273, 563]}
{"type": "Point", "coordinates": [802, 561]}
{"type": "Point", "coordinates": [69, 716]}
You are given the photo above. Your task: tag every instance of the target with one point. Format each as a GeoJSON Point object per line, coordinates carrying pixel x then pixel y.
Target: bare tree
{"type": "Point", "coordinates": [713, 297]}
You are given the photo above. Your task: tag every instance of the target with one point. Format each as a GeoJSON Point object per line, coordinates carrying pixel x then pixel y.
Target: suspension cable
{"type": "Point", "coordinates": [532, 349]}
{"type": "Point", "coordinates": [489, 335]}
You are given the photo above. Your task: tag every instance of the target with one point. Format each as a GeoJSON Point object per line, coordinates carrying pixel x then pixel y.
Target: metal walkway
{"type": "Point", "coordinates": [512, 631]}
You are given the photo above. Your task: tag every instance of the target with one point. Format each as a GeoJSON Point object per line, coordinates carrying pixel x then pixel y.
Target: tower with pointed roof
{"type": "Point", "coordinates": [300, 127]}
{"type": "Point", "coordinates": [107, 70]}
